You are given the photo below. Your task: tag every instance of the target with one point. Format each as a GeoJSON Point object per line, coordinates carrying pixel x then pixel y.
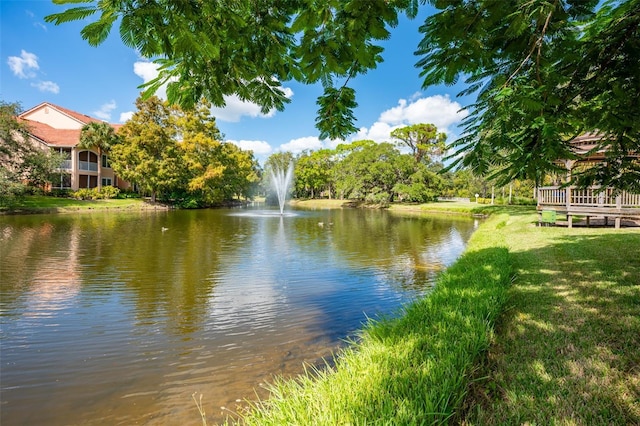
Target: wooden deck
{"type": "Point", "coordinates": [589, 202]}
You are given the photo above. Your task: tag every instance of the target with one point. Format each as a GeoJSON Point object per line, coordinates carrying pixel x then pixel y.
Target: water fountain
{"type": "Point", "coordinates": [280, 179]}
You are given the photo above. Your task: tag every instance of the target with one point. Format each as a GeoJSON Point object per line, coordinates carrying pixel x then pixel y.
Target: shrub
{"type": "Point", "coordinates": [379, 198]}
{"type": "Point", "coordinates": [108, 192]}
{"type": "Point", "coordinates": [61, 193]}
{"type": "Point", "coordinates": [128, 193]}
{"type": "Point", "coordinates": [84, 194]}
{"type": "Point", "coordinates": [521, 201]}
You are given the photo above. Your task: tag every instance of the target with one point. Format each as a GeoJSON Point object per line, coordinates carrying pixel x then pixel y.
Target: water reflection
{"type": "Point", "coordinates": [118, 318]}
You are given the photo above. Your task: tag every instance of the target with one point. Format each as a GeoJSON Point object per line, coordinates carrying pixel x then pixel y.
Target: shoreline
{"type": "Point", "coordinates": [90, 206]}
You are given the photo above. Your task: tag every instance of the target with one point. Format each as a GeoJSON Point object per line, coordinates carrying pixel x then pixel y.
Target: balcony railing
{"type": "Point", "coordinates": [88, 166]}
{"type": "Point", "coordinates": [66, 165]}
{"type": "Point", "coordinates": [586, 197]}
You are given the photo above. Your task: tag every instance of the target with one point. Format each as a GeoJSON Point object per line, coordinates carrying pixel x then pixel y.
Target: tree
{"type": "Point", "coordinates": [177, 154]}
{"type": "Point", "coordinates": [101, 136]}
{"type": "Point", "coordinates": [13, 147]}
{"type": "Point", "coordinates": [424, 140]}
{"type": "Point", "coordinates": [313, 173]}
{"type": "Point", "coordinates": [200, 152]}
{"type": "Point", "coordinates": [421, 184]}
{"type": "Point", "coordinates": [217, 172]}
{"type": "Point", "coordinates": [148, 154]}
{"type": "Point", "coordinates": [242, 173]}
{"type": "Point", "coordinates": [21, 160]}
{"type": "Point", "coordinates": [371, 171]}
{"type": "Point", "coordinates": [545, 72]}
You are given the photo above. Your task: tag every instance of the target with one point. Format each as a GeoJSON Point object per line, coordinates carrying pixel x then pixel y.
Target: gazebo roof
{"type": "Point", "coordinates": [589, 147]}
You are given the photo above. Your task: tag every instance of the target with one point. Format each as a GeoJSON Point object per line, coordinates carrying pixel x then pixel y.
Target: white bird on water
{"type": "Point", "coordinates": [164, 229]}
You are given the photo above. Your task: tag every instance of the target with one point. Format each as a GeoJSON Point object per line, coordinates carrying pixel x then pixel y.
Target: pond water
{"type": "Point", "coordinates": [118, 318]}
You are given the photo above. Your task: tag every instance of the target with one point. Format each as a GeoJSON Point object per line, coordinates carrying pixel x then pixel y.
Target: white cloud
{"type": "Point", "coordinates": [300, 144]}
{"type": "Point", "coordinates": [258, 147]}
{"type": "Point", "coordinates": [378, 132]}
{"type": "Point", "coordinates": [47, 86]}
{"type": "Point", "coordinates": [38, 24]}
{"type": "Point", "coordinates": [147, 71]}
{"type": "Point", "coordinates": [234, 109]}
{"type": "Point", "coordinates": [439, 110]}
{"type": "Point", "coordinates": [24, 65]}
{"type": "Point", "coordinates": [125, 116]}
{"type": "Point", "coordinates": [104, 113]}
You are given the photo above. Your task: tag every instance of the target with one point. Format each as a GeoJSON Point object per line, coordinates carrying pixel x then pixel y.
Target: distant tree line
{"type": "Point", "coordinates": [381, 173]}
{"type": "Point", "coordinates": [178, 156]}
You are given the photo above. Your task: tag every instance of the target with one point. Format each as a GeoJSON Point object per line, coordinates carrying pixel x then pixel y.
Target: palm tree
{"type": "Point", "coordinates": [100, 136]}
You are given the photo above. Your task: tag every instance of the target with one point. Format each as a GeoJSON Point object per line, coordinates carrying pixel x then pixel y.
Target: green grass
{"type": "Point", "coordinates": [413, 369]}
{"type": "Point", "coordinates": [568, 348]}
{"type": "Point", "coordinates": [461, 207]}
{"type": "Point", "coordinates": [45, 204]}
{"type": "Point", "coordinates": [323, 203]}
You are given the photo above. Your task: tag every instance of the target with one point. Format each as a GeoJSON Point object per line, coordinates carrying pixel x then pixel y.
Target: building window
{"type": "Point", "coordinates": [66, 152]}
{"type": "Point", "coordinates": [88, 161]}
{"type": "Point", "coordinates": [105, 161]}
{"type": "Point", "coordinates": [106, 181]}
{"type": "Point", "coordinates": [87, 181]}
{"type": "Point", "coordinates": [62, 181]}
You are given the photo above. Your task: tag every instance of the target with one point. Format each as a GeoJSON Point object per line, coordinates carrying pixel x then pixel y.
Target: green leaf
{"type": "Point", "coordinates": [73, 14]}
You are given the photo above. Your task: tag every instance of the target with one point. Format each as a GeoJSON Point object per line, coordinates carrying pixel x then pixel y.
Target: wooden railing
{"type": "Point", "coordinates": [594, 196]}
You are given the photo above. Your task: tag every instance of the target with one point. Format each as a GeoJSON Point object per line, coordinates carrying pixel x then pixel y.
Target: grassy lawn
{"type": "Point", "coordinates": [461, 207]}
{"type": "Point", "coordinates": [568, 346]}
{"type": "Point", "coordinates": [319, 204]}
{"type": "Point", "coordinates": [43, 204]}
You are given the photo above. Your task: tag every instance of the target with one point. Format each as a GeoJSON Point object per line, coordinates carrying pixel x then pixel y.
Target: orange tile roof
{"type": "Point", "coordinates": [60, 137]}
{"type": "Point", "coordinates": [54, 137]}
{"type": "Point", "coordinates": [83, 118]}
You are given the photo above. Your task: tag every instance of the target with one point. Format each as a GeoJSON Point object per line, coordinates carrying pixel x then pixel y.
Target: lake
{"type": "Point", "coordinates": [119, 318]}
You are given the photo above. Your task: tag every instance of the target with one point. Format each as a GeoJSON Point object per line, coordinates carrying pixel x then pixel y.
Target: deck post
{"type": "Point", "coordinates": [618, 222]}
{"type": "Point", "coordinates": [568, 205]}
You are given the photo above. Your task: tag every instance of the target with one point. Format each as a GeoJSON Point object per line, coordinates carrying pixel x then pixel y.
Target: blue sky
{"type": "Point", "coordinates": [44, 62]}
